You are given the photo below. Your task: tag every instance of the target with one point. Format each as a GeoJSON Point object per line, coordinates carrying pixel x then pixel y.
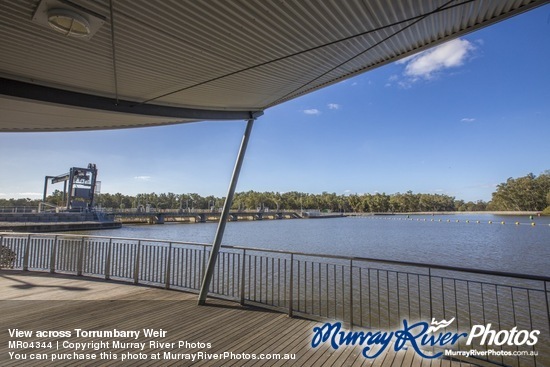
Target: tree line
{"type": "Point", "coordinates": [529, 193]}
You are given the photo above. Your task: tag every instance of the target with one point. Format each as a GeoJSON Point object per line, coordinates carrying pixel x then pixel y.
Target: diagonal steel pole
{"type": "Point", "coordinates": [225, 215]}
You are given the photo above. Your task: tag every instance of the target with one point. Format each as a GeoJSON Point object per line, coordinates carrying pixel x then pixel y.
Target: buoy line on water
{"type": "Point", "coordinates": [517, 223]}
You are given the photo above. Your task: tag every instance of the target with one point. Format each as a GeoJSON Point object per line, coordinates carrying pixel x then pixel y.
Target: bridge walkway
{"type": "Point", "coordinates": [43, 301]}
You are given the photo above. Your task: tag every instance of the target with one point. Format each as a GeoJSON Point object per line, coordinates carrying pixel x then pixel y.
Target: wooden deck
{"type": "Point", "coordinates": [41, 301]}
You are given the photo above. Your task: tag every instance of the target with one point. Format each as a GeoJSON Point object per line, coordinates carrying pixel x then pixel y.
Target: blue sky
{"type": "Point", "coordinates": [455, 120]}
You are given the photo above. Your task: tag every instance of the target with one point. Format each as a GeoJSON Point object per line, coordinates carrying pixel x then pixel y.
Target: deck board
{"type": "Point", "coordinates": [43, 301]}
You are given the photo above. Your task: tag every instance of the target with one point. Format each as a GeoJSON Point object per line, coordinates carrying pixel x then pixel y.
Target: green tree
{"type": "Point", "coordinates": [56, 198]}
{"type": "Point", "coordinates": [524, 193]}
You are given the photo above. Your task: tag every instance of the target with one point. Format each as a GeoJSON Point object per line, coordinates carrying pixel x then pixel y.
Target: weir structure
{"type": "Point", "coordinates": [81, 185]}
{"type": "Point", "coordinates": [195, 63]}
{"type": "Point", "coordinates": [161, 217]}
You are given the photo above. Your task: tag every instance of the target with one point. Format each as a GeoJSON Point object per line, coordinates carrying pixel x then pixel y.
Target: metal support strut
{"type": "Point", "coordinates": [225, 215]}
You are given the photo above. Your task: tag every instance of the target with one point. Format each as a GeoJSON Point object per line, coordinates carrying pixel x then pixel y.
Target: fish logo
{"type": "Point", "coordinates": [439, 325]}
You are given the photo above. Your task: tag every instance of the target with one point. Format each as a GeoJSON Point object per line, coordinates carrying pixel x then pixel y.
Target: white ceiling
{"type": "Point", "coordinates": [172, 61]}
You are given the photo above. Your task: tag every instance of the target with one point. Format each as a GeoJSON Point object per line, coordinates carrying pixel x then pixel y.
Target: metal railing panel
{"type": "Point", "coordinates": [361, 292]}
{"type": "Point", "coordinates": [123, 259]}
{"type": "Point", "coordinates": [153, 262]}
{"type": "Point", "coordinates": [67, 255]}
{"type": "Point", "coordinates": [95, 256]}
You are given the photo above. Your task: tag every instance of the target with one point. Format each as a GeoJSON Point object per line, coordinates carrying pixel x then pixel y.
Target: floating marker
{"type": "Point", "coordinates": [490, 222]}
{"type": "Point", "coordinates": [533, 224]}
{"type": "Point", "coordinates": [457, 221]}
{"type": "Point", "coordinates": [517, 223]}
{"type": "Point", "coordinates": [477, 221]}
{"type": "Point", "coordinates": [502, 222]}
{"type": "Point", "coordinates": [467, 221]}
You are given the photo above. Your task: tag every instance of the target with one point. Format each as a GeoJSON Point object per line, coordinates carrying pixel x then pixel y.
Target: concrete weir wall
{"type": "Point", "coordinates": [48, 217]}
{"type": "Point", "coordinates": [54, 222]}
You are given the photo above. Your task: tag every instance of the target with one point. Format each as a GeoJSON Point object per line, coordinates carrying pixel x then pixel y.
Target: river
{"type": "Point", "coordinates": [454, 240]}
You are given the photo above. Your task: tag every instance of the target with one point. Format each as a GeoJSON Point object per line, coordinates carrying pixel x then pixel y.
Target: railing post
{"type": "Point", "coordinates": [80, 260]}
{"type": "Point", "coordinates": [430, 292]}
{"type": "Point", "coordinates": [136, 264]}
{"type": "Point", "coordinates": [108, 260]}
{"type": "Point", "coordinates": [1, 245]}
{"type": "Point", "coordinates": [52, 255]}
{"type": "Point", "coordinates": [291, 287]}
{"type": "Point", "coordinates": [26, 254]}
{"type": "Point", "coordinates": [243, 267]}
{"type": "Point", "coordinates": [203, 261]}
{"type": "Point", "coordinates": [168, 267]}
{"type": "Point", "coordinates": [351, 293]}
{"type": "Point", "coordinates": [547, 306]}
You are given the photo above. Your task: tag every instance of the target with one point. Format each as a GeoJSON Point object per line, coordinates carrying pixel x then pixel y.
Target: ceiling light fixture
{"type": "Point", "coordinates": [68, 23]}
{"type": "Point", "coordinates": [67, 18]}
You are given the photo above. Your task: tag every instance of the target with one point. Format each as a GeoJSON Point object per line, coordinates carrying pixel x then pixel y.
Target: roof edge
{"type": "Point", "coordinates": [30, 91]}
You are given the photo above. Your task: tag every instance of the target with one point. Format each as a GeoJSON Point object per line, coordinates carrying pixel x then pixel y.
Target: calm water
{"type": "Point", "coordinates": [508, 247]}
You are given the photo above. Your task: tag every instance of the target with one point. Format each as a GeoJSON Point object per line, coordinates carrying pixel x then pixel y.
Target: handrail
{"type": "Point", "coordinates": [104, 237]}
{"type": "Point", "coordinates": [42, 204]}
{"type": "Point", "coordinates": [325, 256]}
{"type": "Point", "coordinates": [18, 209]}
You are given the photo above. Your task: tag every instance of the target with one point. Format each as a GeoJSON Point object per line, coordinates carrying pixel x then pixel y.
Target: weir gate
{"type": "Point", "coordinates": [161, 217]}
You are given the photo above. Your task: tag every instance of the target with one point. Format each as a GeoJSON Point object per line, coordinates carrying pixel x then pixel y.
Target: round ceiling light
{"type": "Point", "coordinates": [68, 22]}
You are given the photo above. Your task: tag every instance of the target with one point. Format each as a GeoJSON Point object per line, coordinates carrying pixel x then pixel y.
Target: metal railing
{"type": "Point", "coordinates": [19, 209]}
{"type": "Point", "coordinates": [47, 207]}
{"type": "Point", "coordinates": [361, 292]}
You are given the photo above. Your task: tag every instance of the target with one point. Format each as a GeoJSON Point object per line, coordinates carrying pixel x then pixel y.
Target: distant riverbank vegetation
{"type": "Point", "coordinates": [528, 193]}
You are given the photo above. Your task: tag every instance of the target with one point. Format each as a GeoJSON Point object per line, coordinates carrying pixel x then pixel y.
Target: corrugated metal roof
{"type": "Point", "coordinates": [212, 55]}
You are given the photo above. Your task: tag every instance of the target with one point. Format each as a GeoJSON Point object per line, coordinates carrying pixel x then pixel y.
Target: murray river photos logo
{"type": "Point", "coordinates": [419, 336]}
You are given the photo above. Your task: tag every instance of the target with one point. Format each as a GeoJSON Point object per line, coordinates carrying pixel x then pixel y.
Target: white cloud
{"type": "Point", "coordinates": [312, 111]}
{"type": "Point", "coordinates": [142, 178]}
{"type": "Point", "coordinates": [431, 63]}
{"type": "Point", "coordinates": [468, 119]}
{"type": "Point", "coordinates": [448, 55]}
{"type": "Point", "coordinates": [333, 106]}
